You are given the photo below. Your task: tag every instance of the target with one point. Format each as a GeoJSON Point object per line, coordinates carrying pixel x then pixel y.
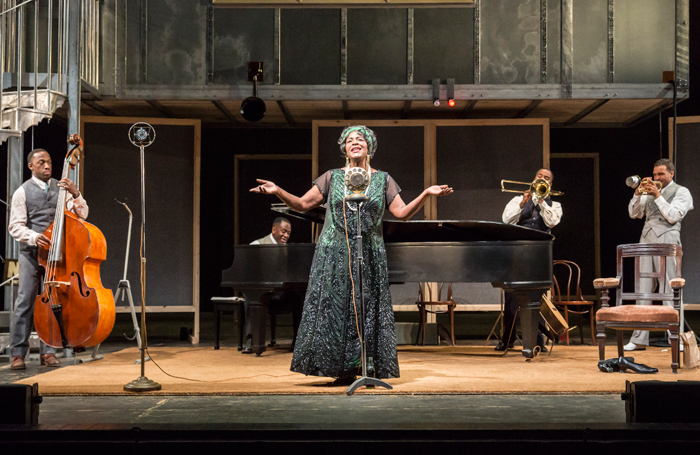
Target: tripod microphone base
{"type": "Point", "coordinates": [142, 384]}
{"type": "Point", "coordinates": [366, 381]}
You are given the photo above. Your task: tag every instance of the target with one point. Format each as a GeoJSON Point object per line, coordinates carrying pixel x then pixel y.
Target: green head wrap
{"type": "Point", "coordinates": [367, 133]}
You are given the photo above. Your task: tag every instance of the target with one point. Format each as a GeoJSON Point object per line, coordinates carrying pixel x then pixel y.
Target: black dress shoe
{"type": "Point", "coordinates": [501, 346]}
{"type": "Point", "coordinates": [342, 382]}
{"type": "Point", "coordinates": [639, 368]}
{"type": "Point", "coordinates": [248, 348]}
{"type": "Point", "coordinates": [612, 365]}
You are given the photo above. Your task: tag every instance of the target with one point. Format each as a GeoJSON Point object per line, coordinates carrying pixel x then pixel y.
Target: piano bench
{"type": "Point", "coordinates": [235, 304]}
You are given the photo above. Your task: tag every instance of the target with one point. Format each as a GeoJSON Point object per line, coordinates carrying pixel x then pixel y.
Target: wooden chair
{"type": "Point", "coordinates": [572, 302]}
{"type": "Point", "coordinates": [423, 302]}
{"type": "Point", "coordinates": [641, 317]}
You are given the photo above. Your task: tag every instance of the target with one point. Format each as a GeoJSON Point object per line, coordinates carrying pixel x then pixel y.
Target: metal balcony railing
{"type": "Point", "coordinates": [34, 44]}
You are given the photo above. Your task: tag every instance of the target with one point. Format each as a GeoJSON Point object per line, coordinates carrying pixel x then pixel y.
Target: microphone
{"type": "Point", "coordinates": [357, 181]}
{"type": "Point", "coordinates": [142, 134]}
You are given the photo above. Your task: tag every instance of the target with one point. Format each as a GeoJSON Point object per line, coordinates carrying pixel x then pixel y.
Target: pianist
{"type": "Point", "coordinates": [281, 231]}
{"type": "Point", "coordinates": [542, 215]}
{"type": "Point", "coordinates": [328, 343]}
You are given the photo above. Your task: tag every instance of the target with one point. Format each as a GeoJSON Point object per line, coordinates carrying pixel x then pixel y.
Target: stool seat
{"type": "Point", "coordinates": [235, 304]}
{"type": "Point", "coordinates": [627, 313]}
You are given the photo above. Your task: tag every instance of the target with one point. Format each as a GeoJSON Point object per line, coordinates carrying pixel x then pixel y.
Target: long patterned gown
{"type": "Point", "coordinates": [327, 341]}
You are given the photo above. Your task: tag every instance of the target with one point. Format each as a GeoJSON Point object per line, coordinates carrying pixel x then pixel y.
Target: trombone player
{"type": "Point", "coordinates": [664, 203]}
{"type": "Point", "coordinates": [536, 213]}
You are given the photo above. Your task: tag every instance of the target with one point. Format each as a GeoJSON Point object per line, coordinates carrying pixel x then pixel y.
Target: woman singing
{"type": "Point", "coordinates": [327, 341]}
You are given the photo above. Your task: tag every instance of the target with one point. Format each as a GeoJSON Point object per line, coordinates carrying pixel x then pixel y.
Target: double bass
{"type": "Point", "coordinates": [74, 310]}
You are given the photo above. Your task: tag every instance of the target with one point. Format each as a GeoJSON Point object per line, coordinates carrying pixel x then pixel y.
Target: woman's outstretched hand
{"type": "Point", "coordinates": [265, 187]}
{"type": "Point", "coordinates": [439, 190]}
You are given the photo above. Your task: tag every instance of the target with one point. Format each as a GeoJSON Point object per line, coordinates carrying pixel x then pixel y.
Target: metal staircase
{"type": "Point", "coordinates": [34, 43]}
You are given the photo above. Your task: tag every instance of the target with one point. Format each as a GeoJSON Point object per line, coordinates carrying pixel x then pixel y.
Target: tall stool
{"type": "Point", "coordinates": [235, 304]}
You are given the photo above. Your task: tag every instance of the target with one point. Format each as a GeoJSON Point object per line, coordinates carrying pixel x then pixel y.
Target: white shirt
{"type": "Point", "coordinates": [674, 212]}
{"type": "Point", "coordinates": [256, 242]}
{"type": "Point", "coordinates": [18, 213]}
{"type": "Point", "coordinates": [551, 215]}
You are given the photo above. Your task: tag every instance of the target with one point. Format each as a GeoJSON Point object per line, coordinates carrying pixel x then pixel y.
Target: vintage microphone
{"type": "Point", "coordinates": [142, 135]}
{"type": "Point", "coordinates": [357, 180]}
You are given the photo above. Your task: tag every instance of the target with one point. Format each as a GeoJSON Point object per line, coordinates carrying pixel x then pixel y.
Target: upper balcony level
{"type": "Point", "coordinates": [578, 63]}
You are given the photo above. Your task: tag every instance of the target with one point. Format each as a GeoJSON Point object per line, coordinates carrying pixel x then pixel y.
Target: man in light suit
{"type": "Point", "coordinates": [664, 210]}
{"type": "Point", "coordinates": [281, 231]}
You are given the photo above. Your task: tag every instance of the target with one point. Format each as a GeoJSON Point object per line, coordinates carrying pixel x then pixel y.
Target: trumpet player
{"type": "Point", "coordinates": [541, 214]}
{"type": "Point", "coordinates": [664, 207]}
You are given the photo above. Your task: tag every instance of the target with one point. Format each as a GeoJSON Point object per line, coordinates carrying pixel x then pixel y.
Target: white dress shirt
{"type": "Point", "coordinates": [674, 211]}
{"type": "Point", "coordinates": [257, 242]}
{"type": "Point", "coordinates": [551, 214]}
{"type": "Point", "coordinates": [18, 213]}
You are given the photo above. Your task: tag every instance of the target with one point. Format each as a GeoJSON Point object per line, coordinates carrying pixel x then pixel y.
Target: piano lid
{"type": "Point", "coordinates": [457, 231]}
{"type": "Point", "coordinates": [317, 215]}
{"type": "Point", "coordinates": [434, 230]}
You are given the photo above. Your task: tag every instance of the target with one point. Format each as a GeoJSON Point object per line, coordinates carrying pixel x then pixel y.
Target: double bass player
{"type": "Point", "coordinates": [33, 208]}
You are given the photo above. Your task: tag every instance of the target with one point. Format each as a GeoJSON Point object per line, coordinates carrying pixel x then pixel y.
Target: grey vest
{"type": "Point", "coordinates": [655, 220]}
{"type": "Point", "coordinates": [41, 207]}
{"type": "Point", "coordinates": [266, 241]}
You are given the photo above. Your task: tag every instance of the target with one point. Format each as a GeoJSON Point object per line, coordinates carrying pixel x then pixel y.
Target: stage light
{"type": "Point", "coordinates": [436, 92]}
{"type": "Point", "coordinates": [253, 108]}
{"type": "Point", "coordinates": [451, 92]}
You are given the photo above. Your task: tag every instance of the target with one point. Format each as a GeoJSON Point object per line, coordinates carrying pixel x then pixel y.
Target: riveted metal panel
{"type": "Point", "coordinates": [553, 41]}
{"type": "Point", "coordinates": [177, 42]}
{"type": "Point", "coordinates": [444, 45]}
{"type": "Point", "coordinates": [242, 36]}
{"type": "Point", "coordinates": [377, 46]}
{"type": "Point", "coordinates": [133, 41]}
{"type": "Point", "coordinates": [645, 32]}
{"type": "Point", "coordinates": [590, 41]}
{"type": "Point", "coordinates": [310, 46]}
{"type": "Point", "coordinates": [510, 42]}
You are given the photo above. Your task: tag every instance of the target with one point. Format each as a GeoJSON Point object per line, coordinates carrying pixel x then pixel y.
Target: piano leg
{"type": "Point", "coordinates": [258, 307]}
{"type": "Point", "coordinates": [529, 305]}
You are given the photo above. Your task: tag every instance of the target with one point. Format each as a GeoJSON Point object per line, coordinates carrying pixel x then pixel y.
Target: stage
{"type": "Point", "coordinates": [437, 370]}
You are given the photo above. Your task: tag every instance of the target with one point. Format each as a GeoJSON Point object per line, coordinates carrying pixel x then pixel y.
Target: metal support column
{"type": "Point", "coordinates": [74, 76]}
{"type": "Point", "coordinates": [567, 47]}
{"type": "Point", "coordinates": [15, 166]}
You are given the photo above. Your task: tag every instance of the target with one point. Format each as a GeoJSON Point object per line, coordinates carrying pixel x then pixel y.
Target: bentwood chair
{"type": "Point", "coordinates": [572, 300]}
{"type": "Point", "coordinates": [642, 317]}
{"type": "Point", "coordinates": [425, 300]}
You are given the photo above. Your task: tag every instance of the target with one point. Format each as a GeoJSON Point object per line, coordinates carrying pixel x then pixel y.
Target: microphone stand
{"type": "Point", "coordinates": [142, 383]}
{"type": "Point", "coordinates": [364, 380]}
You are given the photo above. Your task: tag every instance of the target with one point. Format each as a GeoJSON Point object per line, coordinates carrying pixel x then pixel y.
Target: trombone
{"type": "Point", "coordinates": [539, 189]}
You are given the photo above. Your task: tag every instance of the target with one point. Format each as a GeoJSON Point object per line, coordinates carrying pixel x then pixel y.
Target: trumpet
{"type": "Point", "coordinates": [539, 189]}
{"type": "Point", "coordinates": [634, 181]}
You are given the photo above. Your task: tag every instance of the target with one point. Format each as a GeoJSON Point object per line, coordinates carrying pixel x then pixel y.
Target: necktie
{"type": "Point", "coordinates": [46, 189]}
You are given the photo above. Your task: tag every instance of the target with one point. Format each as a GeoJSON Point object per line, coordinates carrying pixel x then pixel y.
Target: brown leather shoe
{"type": "Point", "coordinates": [50, 360]}
{"type": "Point", "coordinates": [18, 363]}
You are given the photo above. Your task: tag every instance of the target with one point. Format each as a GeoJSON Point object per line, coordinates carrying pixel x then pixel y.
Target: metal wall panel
{"type": "Point", "coordinates": [590, 42]}
{"type": "Point", "coordinates": [510, 42]}
{"type": "Point", "coordinates": [108, 38]}
{"type": "Point", "coordinates": [377, 46]}
{"type": "Point", "coordinates": [553, 41]}
{"type": "Point", "coordinates": [176, 42]}
{"type": "Point", "coordinates": [242, 36]}
{"type": "Point", "coordinates": [310, 46]}
{"type": "Point", "coordinates": [133, 41]}
{"type": "Point", "coordinates": [644, 40]}
{"type": "Point", "coordinates": [444, 45]}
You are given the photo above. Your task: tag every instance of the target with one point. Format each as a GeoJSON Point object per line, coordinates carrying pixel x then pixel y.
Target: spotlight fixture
{"type": "Point", "coordinates": [253, 108]}
{"type": "Point", "coordinates": [436, 92]}
{"type": "Point", "coordinates": [451, 92]}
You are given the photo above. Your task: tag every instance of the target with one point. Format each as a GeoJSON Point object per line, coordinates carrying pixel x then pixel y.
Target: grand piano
{"type": "Point", "coordinates": [511, 257]}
